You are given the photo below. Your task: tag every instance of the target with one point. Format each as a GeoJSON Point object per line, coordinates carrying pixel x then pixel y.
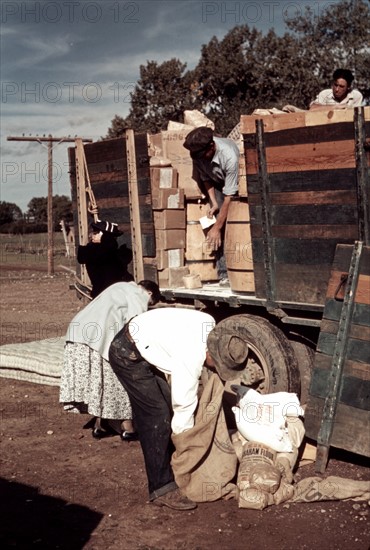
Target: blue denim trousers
{"type": "Point", "coordinates": [220, 257]}
{"type": "Point", "coordinates": [150, 397]}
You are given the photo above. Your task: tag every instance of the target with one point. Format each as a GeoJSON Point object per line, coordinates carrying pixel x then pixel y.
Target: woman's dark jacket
{"type": "Point", "coordinates": [102, 263]}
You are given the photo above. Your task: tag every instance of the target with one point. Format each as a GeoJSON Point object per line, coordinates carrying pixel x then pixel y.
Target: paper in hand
{"type": "Point", "coordinates": [206, 222]}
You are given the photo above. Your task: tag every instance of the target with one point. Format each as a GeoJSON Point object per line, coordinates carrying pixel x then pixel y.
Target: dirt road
{"type": "Point", "coordinates": [60, 488]}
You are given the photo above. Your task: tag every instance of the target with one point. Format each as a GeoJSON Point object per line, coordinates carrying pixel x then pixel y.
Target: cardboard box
{"type": "Point", "coordinates": [168, 198]}
{"type": "Point", "coordinates": [169, 219]}
{"type": "Point", "coordinates": [172, 277]}
{"type": "Point", "coordinates": [173, 150]}
{"type": "Point", "coordinates": [170, 258]}
{"type": "Point", "coordinates": [163, 177]}
{"type": "Point", "coordinates": [170, 238]}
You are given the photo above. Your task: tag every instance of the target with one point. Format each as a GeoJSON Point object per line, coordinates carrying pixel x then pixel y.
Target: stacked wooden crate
{"type": "Point", "coordinates": [169, 225]}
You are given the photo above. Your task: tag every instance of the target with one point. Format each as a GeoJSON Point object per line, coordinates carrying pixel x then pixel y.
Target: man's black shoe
{"type": "Point", "coordinates": [129, 436]}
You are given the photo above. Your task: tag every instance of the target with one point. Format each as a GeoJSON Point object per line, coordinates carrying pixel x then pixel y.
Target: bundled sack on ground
{"type": "Point", "coordinates": [271, 433]}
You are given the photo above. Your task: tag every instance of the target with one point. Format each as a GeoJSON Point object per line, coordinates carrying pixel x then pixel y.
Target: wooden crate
{"type": "Point", "coordinates": [351, 391]}
{"type": "Point", "coordinates": [310, 203]}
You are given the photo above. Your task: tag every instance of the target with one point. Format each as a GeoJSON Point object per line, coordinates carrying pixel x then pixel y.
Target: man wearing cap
{"type": "Point", "coordinates": [101, 257]}
{"type": "Point", "coordinates": [216, 169]}
{"type": "Point", "coordinates": [168, 341]}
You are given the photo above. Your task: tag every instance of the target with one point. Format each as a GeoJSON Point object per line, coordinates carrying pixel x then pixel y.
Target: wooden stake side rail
{"type": "Point", "coordinates": [338, 411]}
{"type": "Point", "coordinates": [136, 239]}
{"type": "Point", "coordinates": [81, 204]}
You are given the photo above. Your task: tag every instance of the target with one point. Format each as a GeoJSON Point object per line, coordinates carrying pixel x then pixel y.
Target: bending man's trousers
{"type": "Point", "coordinates": [150, 397]}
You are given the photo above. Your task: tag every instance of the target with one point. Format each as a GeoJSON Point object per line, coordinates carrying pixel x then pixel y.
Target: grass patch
{"type": "Point", "coordinates": [32, 250]}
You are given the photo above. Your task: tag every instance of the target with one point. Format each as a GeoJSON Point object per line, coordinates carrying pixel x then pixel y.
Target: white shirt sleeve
{"type": "Point", "coordinates": [184, 392]}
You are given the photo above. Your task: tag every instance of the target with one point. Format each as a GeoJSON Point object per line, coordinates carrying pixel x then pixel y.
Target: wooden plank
{"type": "Point", "coordinates": [356, 331]}
{"type": "Point", "coordinates": [333, 310]}
{"type": "Point", "coordinates": [134, 207]}
{"type": "Point", "coordinates": [120, 214]}
{"type": "Point", "coordinates": [354, 392]}
{"type": "Point", "coordinates": [313, 134]}
{"type": "Point", "coordinates": [352, 368]}
{"type": "Point", "coordinates": [308, 214]}
{"type": "Point", "coordinates": [118, 187]}
{"type": "Point", "coordinates": [342, 353]}
{"type": "Point", "coordinates": [338, 197]}
{"type": "Point", "coordinates": [295, 283]}
{"type": "Point", "coordinates": [348, 233]}
{"type": "Point", "coordinates": [284, 121]}
{"type": "Point", "coordinates": [298, 251]}
{"type": "Point", "coordinates": [307, 180]}
{"type": "Point", "coordinates": [272, 123]}
{"type": "Point", "coordinates": [81, 202]}
{"type": "Point", "coordinates": [357, 350]}
{"type": "Point", "coordinates": [334, 154]}
{"type": "Point", "coordinates": [362, 294]}
{"type": "Point", "coordinates": [343, 257]}
{"type": "Point", "coordinates": [351, 429]}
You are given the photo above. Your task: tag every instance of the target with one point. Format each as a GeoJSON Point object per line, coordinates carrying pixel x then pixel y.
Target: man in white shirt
{"type": "Point", "coordinates": [340, 95]}
{"type": "Point", "coordinates": [160, 342]}
{"type": "Point", "coordinates": [175, 342]}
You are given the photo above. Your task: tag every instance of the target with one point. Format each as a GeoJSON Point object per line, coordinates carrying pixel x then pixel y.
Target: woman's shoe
{"type": "Point", "coordinates": [129, 436]}
{"type": "Point", "coordinates": [97, 433]}
{"type": "Point", "coordinates": [103, 429]}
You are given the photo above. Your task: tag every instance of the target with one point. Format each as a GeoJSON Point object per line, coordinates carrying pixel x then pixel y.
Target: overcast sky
{"type": "Point", "coordinates": [67, 68]}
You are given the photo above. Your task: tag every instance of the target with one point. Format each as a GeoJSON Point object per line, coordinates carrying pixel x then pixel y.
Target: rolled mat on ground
{"type": "Point", "coordinates": [40, 361]}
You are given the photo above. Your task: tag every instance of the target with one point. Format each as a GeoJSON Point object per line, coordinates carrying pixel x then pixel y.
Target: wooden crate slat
{"type": "Point", "coordinates": [307, 180]}
{"type": "Point", "coordinates": [352, 426]}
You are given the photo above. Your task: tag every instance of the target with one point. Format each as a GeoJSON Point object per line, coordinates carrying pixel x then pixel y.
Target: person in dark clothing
{"type": "Point", "coordinates": [101, 257]}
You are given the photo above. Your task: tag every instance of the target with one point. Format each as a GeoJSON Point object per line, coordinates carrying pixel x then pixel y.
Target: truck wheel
{"type": "Point", "coordinates": [272, 364]}
{"type": "Point", "coordinates": [305, 358]}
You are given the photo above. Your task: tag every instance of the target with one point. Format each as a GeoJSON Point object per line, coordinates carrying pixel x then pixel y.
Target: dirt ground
{"type": "Point", "coordinates": [60, 488]}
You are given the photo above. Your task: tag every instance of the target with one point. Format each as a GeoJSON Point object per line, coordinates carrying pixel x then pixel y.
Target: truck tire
{"type": "Point", "coordinates": [272, 365]}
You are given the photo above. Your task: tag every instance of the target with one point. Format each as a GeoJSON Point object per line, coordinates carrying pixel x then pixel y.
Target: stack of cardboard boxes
{"type": "Point", "coordinates": [178, 204]}
{"type": "Point", "coordinates": [169, 225]}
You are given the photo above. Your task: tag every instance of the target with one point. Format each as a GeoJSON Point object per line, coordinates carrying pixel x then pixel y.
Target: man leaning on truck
{"type": "Point", "coordinates": [216, 169]}
{"type": "Point", "coordinates": [340, 95]}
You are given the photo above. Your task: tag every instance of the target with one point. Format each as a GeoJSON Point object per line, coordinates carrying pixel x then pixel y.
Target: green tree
{"type": "Point", "coordinates": [248, 70]}
{"type": "Point", "coordinates": [162, 93]}
{"type": "Point", "coordinates": [338, 38]}
{"type": "Point", "coordinates": [9, 212]}
{"type": "Point", "coordinates": [62, 209]}
{"type": "Point", "coordinates": [38, 209]}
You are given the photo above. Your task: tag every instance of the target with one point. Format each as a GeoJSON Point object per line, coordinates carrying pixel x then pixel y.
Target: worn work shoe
{"type": "Point", "coordinates": [224, 282]}
{"type": "Point", "coordinates": [175, 500]}
{"type": "Point", "coordinates": [129, 436]}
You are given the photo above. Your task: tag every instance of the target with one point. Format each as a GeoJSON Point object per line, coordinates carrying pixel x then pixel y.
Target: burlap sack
{"type": "Point", "coordinates": [204, 463]}
{"type": "Point", "coordinates": [253, 454]}
{"type": "Point", "coordinates": [254, 499]}
{"type": "Point", "coordinates": [313, 489]}
{"type": "Point", "coordinates": [265, 477]}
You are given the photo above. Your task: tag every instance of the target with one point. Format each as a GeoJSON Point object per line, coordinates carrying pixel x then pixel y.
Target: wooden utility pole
{"type": "Point", "coordinates": [50, 140]}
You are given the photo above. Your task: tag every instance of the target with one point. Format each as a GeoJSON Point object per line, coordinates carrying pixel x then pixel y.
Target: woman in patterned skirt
{"type": "Point", "coordinates": [88, 383]}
